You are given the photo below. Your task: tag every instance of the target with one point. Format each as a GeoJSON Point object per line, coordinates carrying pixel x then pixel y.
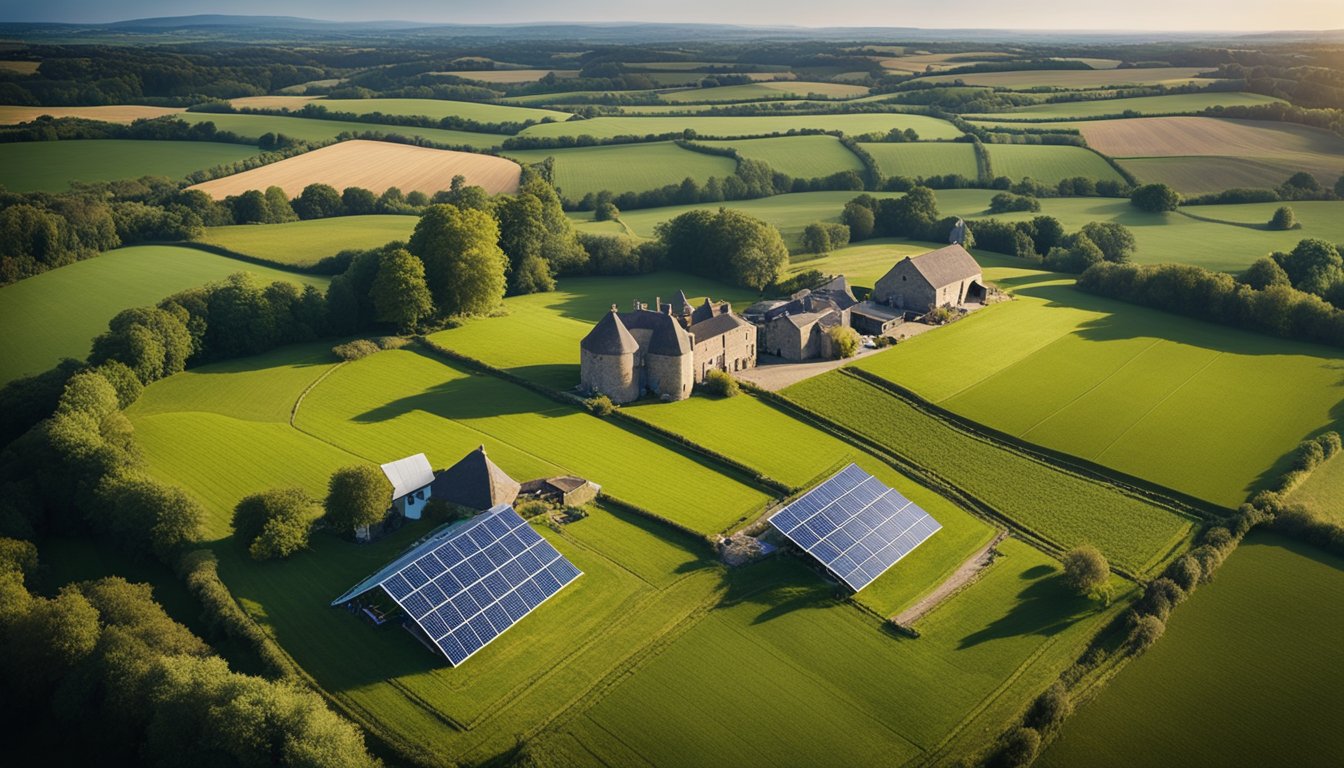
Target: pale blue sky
{"type": "Point", "coordinates": [1155, 15]}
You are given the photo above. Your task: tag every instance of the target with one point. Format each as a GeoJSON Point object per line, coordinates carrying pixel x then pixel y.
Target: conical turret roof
{"type": "Point", "coordinates": [610, 337]}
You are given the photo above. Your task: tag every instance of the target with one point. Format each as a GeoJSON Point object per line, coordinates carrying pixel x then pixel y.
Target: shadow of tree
{"type": "Point", "coordinates": [1045, 607]}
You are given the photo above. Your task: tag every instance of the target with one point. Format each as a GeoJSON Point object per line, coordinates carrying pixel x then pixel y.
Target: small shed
{"type": "Point", "coordinates": [411, 480]}
{"type": "Point", "coordinates": [475, 482]}
{"type": "Point", "coordinates": [873, 319]}
{"type": "Point", "coordinates": [566, 489]}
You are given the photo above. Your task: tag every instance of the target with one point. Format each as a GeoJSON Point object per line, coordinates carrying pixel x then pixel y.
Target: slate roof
{"type": "Point", "coordinates": [717, 326]}
{"type": "Point", "coordinates": [945, 266]}
{"type": "Point", "coordinates": [475, 482]}
{"type": "Point", "coordinates": [876, 311]}
{"type": "Point", "coordinates": [666, 337]}
{"type": "Point", "coordinates": [838, 291]}
{"type": "Point", "coordinates": [610, 337]}
{"type": "Point", "coordinates": [408, 475]}
{"type": "Point", "coordinates": [683, 304]}
{"type": "Point", "coordinates": [703, 312]}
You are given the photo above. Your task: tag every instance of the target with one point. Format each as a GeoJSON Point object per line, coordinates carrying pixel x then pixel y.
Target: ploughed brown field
{"type": "Point", "coordinates": [373, 165]}
{"type": "Point", "coordinates": [116, 113]}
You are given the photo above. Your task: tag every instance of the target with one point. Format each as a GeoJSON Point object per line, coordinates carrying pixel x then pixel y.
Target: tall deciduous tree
{"type": "Point", "coordinates": [357, 496]}
{"type": "Point", "coordinates": [1155, 198]}
{"type": "Point", "coordinates": [464, 265]}
{"type": "Point", "coordinates": [1085, 569]}
{"type": "Point", "coordinates": [400, 294]}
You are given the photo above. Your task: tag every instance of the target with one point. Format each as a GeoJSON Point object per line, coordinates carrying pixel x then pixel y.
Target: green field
{"type": "Point", "coordinates": [56, 314]}
{"type": "Point", "coordinates": [1229, 242]}
{"type": "Point", "coordinates": [804, 157]}
{"type": "Point", "coordinates": [1207, 175]}
{"type": "Point", "coordinates": [50, 166]}
{"type": "Point", "coordinates": [303, 243]}
{"type": "Point", "coordinates": [1065, 509]}
{"type": "Point", "coordinates": [438, 108]}
{"type": "Point", "coordinates": [925, 159]}
{"type": "Point", "coordinates": [769, 677]}
{"type": "Point", "coordinates": [310, 129]}
{"type": "Point", "coordinates": [1184, 103]}
{"type": "Point", "coordinates": [1323, 491]}
{"type": "Point", "coordinates": [711, 127]}
{"type": "Point", "coordinates": [1076, 78]}
{"type": "Point", "coordinates": [766, 90]}
{"type": "Point", "coordinates": [1186, 404]}
{"type": "Point", "coordinates": [1048, 164]}
{"type": "Point", "coordinates": [625, 167]}
{"type": "Point", "coordinates": [1249, 672]}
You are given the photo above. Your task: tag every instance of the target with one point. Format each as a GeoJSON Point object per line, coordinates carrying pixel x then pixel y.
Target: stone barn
{"type": "Point", "coordinates": [945, 277]}
{"type": "Point", "coordinates": [664, 351]}
{"type": "Point", "coordinates": [475, 482]}
{"type": "Point", "coordinates": [566, 489]}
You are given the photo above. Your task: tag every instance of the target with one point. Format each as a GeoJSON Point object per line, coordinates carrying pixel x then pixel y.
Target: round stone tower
{"type": "Point", "coordinates": [607, 360]}
{"type": "Point", "coordinates": [668, 360]}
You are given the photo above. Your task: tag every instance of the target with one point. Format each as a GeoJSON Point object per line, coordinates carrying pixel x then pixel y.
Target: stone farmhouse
{"type": "Point", "coordinates": [665, 350]}
{"type": "Point", "coordinates": [947, 277]}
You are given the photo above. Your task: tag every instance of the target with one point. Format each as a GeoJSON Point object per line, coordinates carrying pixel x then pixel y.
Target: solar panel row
{"type": "Point", "coordinates": [856, 526]}
{"type": "Point", "coordinates": [473, 586]}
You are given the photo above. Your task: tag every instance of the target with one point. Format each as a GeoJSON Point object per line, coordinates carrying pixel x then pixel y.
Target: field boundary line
{"type": "Point", "coordinates": [1090, 389]}
{"type": "Point", "coordinates": [967, 573]}
{"type": "Point", "coordinates": [1159, 403]}
{"type": "Point", "coordinates": [1180, 503]}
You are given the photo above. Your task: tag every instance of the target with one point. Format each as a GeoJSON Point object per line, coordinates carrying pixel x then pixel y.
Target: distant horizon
{"type": "Point", "coordinates": [1203, 17]}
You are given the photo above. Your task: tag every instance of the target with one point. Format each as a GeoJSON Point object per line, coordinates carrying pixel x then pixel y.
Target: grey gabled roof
{"type": "Point", "coordinates": [703, 312]}
{"type": "Point", "coordinates": [946, 265]}
{"type": "Point", "coordinates": [683, 304]}
{"type": "Point", "coordinates": [475, 482]}
{"type": "Point", "coordinates": [716, 326]}
{"type": "Point", "coordinates": [666, 337]}
{"type": "Point", "coordinates": [610, 337]}
{"type": "Point", "coordinates": [838, 291]}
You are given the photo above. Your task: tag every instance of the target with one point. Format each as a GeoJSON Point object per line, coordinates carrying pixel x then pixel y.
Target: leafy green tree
{"type": "Point", "coordinates": [1313, 266]}
{"type": "Point", "coordinates": [1263, 273]}
{"type": "Point", "coordinates": [844, 341]}
{"type": "Point", "coordinates": [1115, 240]}
{"type": "Point", "coordinates": [357, 496]}
{"type": "Point", "coordinates": [560, 249]}
{"type": "Point", "coordinates": [606, 211]}
{"type": "Point", "coordinates": [1147, 629]}
{"type": "Point", "coordinates": [1017, 749]}
{"type": "Point", "coordinates": [720, 384]}
{"type": "Point", "coordinates": [318, 201]}
{"type": "Point", "coordinates": [1339, 186]}
{"type": "Point", "coordinates": [278, 209]}
{"type": "Point", "coordinates": [399, 292]}
{"type": "Point", "coordinates": [152, 342]}
{"type": "Point", "coordinates": [1155, 198]}
{"type": "Point", "coordinates": [727, 245]}
{"type": "Point", "coordinates": [1046, 233]}
{"type": "Point", "coordinates": [250, 207]}
{"type": "Point", "coordinates": [859, 219]}
{"type": "Point", "coordinates": [1283, 219]}
{"type": "Point", "coordinates": [522, 236]}
{"type": "Point", "coordinates": [1085, 569]}
{"type": "Point", "coordinates": [357, 201]}
{"type": "Point", "coordinates": [275, 523]}
{"type": "Point", "coordinates": [147, 515]}
{"type": "Point", "coordinates": [1050, 709]}
{"type": "Point", "coordinates": [464, 266]}
{"type": "Point", "coordinates": [463, 196]}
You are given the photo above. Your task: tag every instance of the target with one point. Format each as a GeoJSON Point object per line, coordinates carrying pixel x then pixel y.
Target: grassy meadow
{"type": "Point", "coordinates": [310, 129]}
{"type": "Point", "coordinates": [798, 156]}
{"type": "Point", "coordinates": [304, 243]}
{"type": "Point", "coordinates": [1028, 79]}
{"type": "Point", "coordinates": [439, 108]}
{"type": "Point", "coordinates": [1247, 673]}
{"type": "Point", "coordinates": [1190, 405]}
{"type": "Point", "coordinates": [1184, 103]}
{"type": "Point", "coordinates": [1063, 508]}
{"type": "Point", "coordinates": [56, 314]}
{"type": "Point", "coordinates": [767, 90]}
{"type": "Point", "coordinates": [1323, 491]}
{"type": "Point", "coordinates": [727, 127]}
{"type": "Point", "coordinates": [625, 167]}
{"type": "Point", "coordinates": [924, 159]}
{"type": "Point", "coordinates": [1048, 164]}
{"type": "Point", "coordinates": [51, 166]}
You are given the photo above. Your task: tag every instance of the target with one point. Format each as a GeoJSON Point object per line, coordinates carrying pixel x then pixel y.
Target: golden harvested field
{"type": "Point", "coordinates": [21, 67]}
{"type": "Point", "coordinates": [374, 165]}
{"type": "Point", "coordinates": [920, 62]}
{"type": "Point", "coordinates": [509, 76]}
{"type": "Point", "coordinates": [1078, 78]}
{"type": "Point", "coordinates": [271, 102]}
{"type": "Point", "coordinates": [116, 113]}
{"type": "Point", "coordinates": [1227, 152]}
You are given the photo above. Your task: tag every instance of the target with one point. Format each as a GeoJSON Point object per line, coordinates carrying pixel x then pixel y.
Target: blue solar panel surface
{"type": "Point", "coordinates": [856, 526]}
{"type": "Point", "coordinates": [479, 582]}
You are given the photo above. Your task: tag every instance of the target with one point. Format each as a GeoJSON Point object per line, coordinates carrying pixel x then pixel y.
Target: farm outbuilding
{"type": "Point", "coordinates": [411, 480]}
{"type": "Point", "coordinates": [945, 277]}
{"type": "Point", "coordinates": [475, 482]}
{"type": "Point", "coordinates": [567, 490]}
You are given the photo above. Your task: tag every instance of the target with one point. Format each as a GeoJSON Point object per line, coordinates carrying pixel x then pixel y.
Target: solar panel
{"type": "Point", "coordinates": [479, 581]}
{"type": "Point", "coordinates": [855, 526]}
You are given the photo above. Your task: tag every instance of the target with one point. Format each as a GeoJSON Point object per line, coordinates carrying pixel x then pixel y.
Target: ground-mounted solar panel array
{"type": "Point", "coordinates": [479, 581]}
{"type": "Point", "coordinates": [855, 526]}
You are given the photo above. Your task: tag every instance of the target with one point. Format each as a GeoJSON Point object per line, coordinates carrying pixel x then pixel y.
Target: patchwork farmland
{"type": "Point", "coordinates": [913, 434]}
{"type": "Point", "coordinates": [410, 169]}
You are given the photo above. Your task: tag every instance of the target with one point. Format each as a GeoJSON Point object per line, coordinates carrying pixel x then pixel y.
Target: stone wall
{"type": "Point", "coordinates": [612, 375]}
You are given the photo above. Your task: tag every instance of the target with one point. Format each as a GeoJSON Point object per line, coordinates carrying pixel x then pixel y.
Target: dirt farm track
{"type": "Point", "coordinates": [373, 165]}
